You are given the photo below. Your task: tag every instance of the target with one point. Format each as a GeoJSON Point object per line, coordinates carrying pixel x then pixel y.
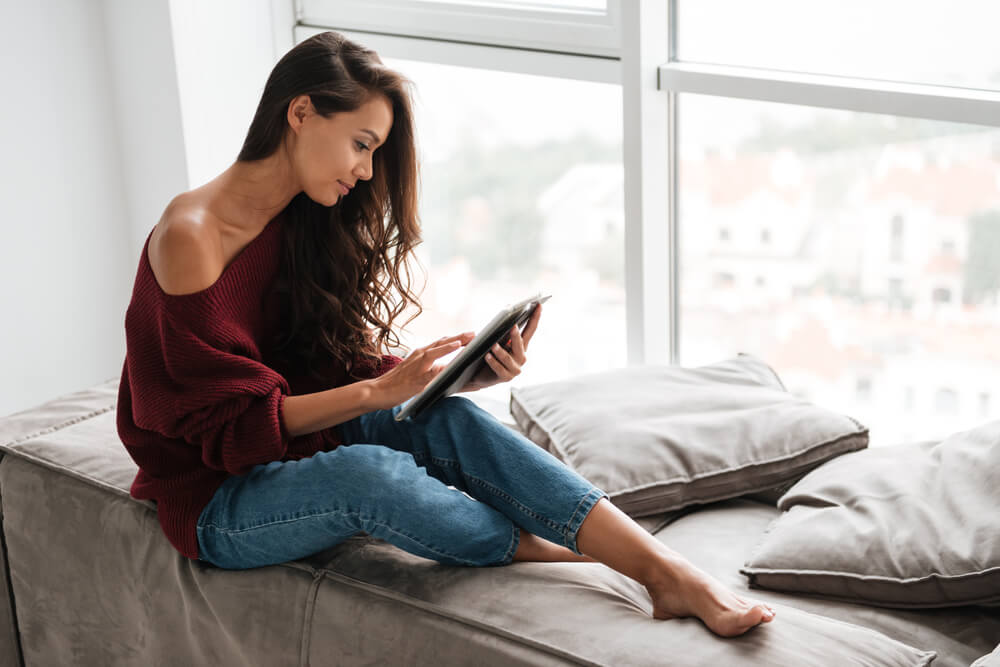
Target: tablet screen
{"type": "Point", "coordinates": [471, 359]}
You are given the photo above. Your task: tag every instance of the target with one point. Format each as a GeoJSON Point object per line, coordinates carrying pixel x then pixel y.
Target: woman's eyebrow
{"type": "Point", "coordinates": [374, 136]}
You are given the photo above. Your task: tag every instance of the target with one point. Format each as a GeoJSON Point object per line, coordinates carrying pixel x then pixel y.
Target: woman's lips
{"type": "Point", "coordinates": [343, 188]}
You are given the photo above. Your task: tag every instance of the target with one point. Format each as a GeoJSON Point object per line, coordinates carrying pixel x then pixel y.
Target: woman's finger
{"type": "Point", "coordinates": [439, 350]}
{"type": "Point", "coordinates": [506, 360]}
{"type": "Point", "coordinates": [501, 371]}
{"type": "Point", "coordinates": [447, 339]}
{"type": "Point", "coordinates": [529, 329]}
{"type": "Point", "coordinates": [517, 345]}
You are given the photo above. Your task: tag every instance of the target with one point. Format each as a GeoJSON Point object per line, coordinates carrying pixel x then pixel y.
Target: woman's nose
{"type": "Point", "coordinates": [364, 169]}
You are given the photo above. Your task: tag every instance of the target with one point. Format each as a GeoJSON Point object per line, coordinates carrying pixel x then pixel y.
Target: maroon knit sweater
{"type": "Point", "coordinates": [198, 401]}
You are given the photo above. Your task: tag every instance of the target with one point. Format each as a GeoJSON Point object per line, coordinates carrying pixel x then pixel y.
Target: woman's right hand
{"type": "Point", "coordinates": [413, 373]}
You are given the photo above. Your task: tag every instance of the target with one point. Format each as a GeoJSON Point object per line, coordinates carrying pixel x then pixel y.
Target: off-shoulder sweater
{"type": "Point", "coordinates": [200, 397]}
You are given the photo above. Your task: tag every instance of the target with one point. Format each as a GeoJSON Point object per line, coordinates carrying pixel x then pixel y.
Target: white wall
{"type": "Point", "coordinates": [148, 131]}
{"type": "Point", "coordinates": [224, 52]}
{"type": "Point", "coordinates": [110, 108]}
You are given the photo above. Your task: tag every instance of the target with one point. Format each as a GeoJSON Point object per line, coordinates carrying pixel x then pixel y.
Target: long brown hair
{"type": "Point", "coordinates": [346, 274]}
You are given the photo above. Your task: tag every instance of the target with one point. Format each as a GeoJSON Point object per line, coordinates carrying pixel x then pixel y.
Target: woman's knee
{"type": "Point", "coordinates": [459, 409]}
{"type": "Point", "coordinates": [362, 469]}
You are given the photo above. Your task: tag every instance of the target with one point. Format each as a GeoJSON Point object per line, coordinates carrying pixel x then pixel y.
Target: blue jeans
{"type": "Point", "coordinates": [391, 480]}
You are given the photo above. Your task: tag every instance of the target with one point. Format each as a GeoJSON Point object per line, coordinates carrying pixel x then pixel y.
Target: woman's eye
{"type": "Point", "coordinates": [361, 146]}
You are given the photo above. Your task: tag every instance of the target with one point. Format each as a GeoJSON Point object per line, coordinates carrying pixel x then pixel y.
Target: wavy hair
{"type": "Point", "coordinates": [346, 273]}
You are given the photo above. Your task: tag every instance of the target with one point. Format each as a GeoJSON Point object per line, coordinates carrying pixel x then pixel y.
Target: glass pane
{"type": "Point", "coordinates": [521, 193]}
{"type": "Point", "coordinates": [858, 254]}
{"type": "Point", "coordinates": [900, 40]}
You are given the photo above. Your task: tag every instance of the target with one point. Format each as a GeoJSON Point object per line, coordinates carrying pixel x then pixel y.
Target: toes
{"type": "Point", "coordinates": [766, 613]}
{"type": "Point", "coordinates": [749, 619]}
{"type": "Point", "coordinates": [757, 614]}
{"type": "Point", "coordinates": [768, 609]}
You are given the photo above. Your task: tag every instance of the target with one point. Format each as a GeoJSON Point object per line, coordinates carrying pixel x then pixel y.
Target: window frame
{"type": "Point", "coordinates": [480, 56]}
{"type": "Point", "coordinates": [577, 31]}
{"type": "Point", "coordinates": [633, 44]}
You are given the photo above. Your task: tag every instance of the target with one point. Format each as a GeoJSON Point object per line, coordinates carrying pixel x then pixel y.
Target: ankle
{"type": "Point", "coordinates": [667, 571]}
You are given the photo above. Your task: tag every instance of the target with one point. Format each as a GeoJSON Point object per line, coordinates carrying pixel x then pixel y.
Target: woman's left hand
{"type": "Point", "coordinates": [504, 366]}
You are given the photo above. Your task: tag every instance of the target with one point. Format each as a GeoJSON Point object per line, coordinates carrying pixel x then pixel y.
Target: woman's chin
{"type": "Point", "coordinates": [324, 198]}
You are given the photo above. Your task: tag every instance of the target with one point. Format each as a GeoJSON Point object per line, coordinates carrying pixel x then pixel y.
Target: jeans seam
{"type": "Point", "coordinates": [515, 529]}
{"type": "Point", "coordinates": [319, 514]}
{"type": "Point", "coordinates": [451, 463]}
{"type": "Point", "coordinates": [566, 530]}
{"type": "Point", "coordinates": [513, 501]}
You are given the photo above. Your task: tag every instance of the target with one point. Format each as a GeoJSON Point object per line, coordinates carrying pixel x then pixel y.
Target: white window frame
{"type": "Point", "coordinates": [623, 45]}
{"type": "Point", "coordinates": [479, 56]}
{"type": "Point", "coordinates": [573, 31]}
{"type": "Point", "coordinates": [633, 44]}
{"type": "Point", "coordinates": [927, 101]}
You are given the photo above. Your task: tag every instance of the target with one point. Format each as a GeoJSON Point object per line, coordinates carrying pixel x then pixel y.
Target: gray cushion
{"type": "Point", "coordinates": [96, 583]}
{"type": "Point", "coordinates": [658, 438]}
{"type": "Point", "coordinates": [585, 613]}
{"type": "Point", "coordinates": [905, 526]}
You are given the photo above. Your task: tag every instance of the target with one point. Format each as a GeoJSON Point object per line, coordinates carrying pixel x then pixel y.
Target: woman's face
{"type": "Point", "coordinates": [332, 154]}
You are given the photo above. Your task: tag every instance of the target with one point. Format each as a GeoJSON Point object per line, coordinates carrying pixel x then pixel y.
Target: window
{"type": "Point", "coordinates": [582, 27]}
{"type": "Point", "coordinates": [941, 295]}
{"type": "Point", "coordinates": [896, 239]}
{"type": "Point", "coordinates": [878, 196]}
{"type": "Point", "coordinates": [847, 38]}
{"type": "Point", "coordinates": [841, 191]}
{"type": "Point", "coordinates": [896, 292]}
{"type": "Point", "coordinates": [724, 280]}
{"type": "Point", "coordinates": [863, 389]}
{"type": "Point", "coordinates": [946, 401]}
{"type": "Point", "coordinates": [519, 198]}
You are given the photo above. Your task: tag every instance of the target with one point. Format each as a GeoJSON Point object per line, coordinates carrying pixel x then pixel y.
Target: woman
{"type": "Point", "coordinates": [254, 395]}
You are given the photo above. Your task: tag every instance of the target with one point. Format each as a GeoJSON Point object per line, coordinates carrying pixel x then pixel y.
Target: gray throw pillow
{"type": "Point", "coordinates": [905, 526]}
{"type": "Point", "coordinates": [658, 438]}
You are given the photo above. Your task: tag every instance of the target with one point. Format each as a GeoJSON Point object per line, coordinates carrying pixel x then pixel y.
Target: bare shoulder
{"type": "Point", "coordinates": [185, 249]}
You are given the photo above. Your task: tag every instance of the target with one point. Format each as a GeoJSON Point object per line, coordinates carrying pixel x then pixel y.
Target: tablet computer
{"type": "Point", "coordinates": [471, 359]}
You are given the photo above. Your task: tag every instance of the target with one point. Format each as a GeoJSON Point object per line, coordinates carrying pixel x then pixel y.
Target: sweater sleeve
{"type": "Point", "coordinates": [369, 369]}
{"type": "Point", "coordinates": [220, 399]}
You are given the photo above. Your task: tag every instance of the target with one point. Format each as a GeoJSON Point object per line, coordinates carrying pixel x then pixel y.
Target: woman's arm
{"type": "Point", "coordinates": [309, 413]}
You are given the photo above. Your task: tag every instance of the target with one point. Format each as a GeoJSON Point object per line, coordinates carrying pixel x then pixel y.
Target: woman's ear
{"type": "Point", "coordinates": [299, 109]}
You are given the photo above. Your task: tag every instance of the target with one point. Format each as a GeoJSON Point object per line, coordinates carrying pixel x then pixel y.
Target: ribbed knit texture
{"type": "Point", "coordinates": [197, 401]}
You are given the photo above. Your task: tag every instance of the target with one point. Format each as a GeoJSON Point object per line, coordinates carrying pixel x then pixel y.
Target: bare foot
{"type": "Point", "coordinates": [691, 592]}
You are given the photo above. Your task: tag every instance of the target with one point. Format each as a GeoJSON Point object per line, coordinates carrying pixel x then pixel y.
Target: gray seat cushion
{"type": "Point", "coordinates": [96, 582]}
{"type": "Point", "coordinates": [905, 526]}
{"type": "Point", "coordinates": [658, 438]}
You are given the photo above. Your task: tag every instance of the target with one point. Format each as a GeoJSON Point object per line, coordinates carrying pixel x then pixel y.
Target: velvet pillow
{"type": "Point", "coordinates": [905, 526]}
{"type": "Point", "coordinates": [658, 438]}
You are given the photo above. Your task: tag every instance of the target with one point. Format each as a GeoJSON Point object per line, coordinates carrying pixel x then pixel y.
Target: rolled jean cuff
{"type": "Point", "coordinates": [514, 542]}
{"type": "Point", "coordinates": [582, 510]}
